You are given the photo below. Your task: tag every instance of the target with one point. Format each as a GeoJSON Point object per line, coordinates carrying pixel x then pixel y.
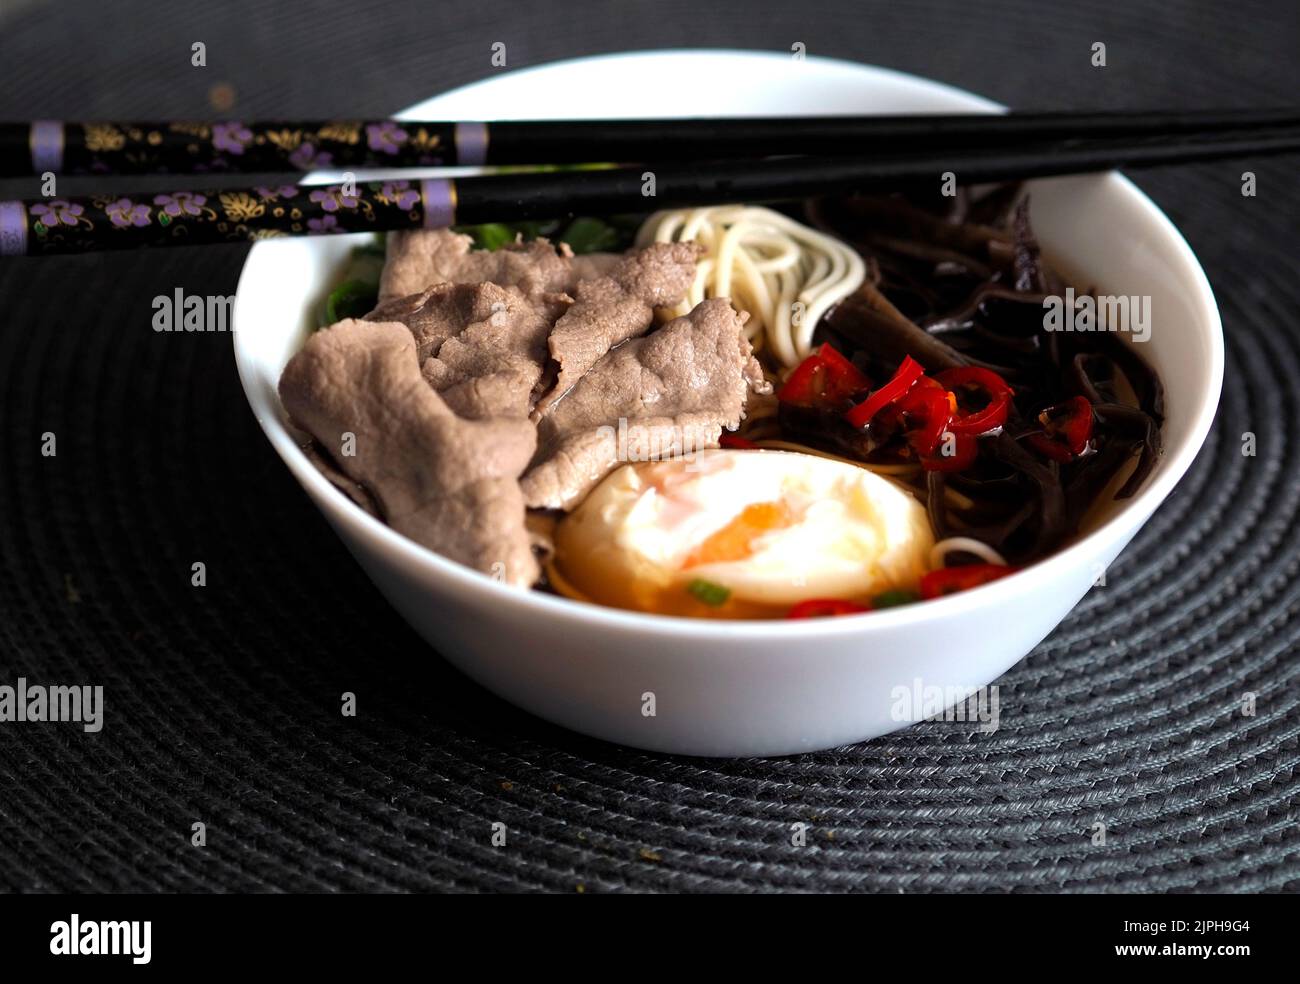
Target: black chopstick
{"type": "Point", "coordinates": [290, 146]}
{"type": "Point", "coordinates": [44, 226]}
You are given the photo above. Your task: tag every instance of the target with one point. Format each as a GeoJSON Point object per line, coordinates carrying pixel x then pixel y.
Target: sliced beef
{"type": "Point", "coordinates": [421, 258]}
{"type": "Point", "coordinates": [666, 393]}
{"type": "Point", "coordinates": [611, 309]}
{"type": "Point", "coordinates": [448, 483]}
{"type": "Point", "coordinates": [325, 465]}
{"type": "Point", "coordinates": [437, 384]}
{"type": "Point", "coordinates": [433, 315]}
{"type": "Point", "coordinates": [493, 366]}
{"type": "Point", "coordinates": [483, 347]}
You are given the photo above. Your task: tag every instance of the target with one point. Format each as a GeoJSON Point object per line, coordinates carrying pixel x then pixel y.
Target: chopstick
{"type": "Point", "coordinates": [45, 226]}
{"type": "Point", "coordinates": [288, 146]}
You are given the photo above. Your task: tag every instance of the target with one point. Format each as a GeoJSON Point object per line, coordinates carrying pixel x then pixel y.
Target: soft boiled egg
{"type": "Point", "coordinates": [740, 534]}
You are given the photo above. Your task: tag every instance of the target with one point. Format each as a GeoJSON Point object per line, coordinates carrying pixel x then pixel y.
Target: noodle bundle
{"type": "Point", "coordinates": [783, 273]}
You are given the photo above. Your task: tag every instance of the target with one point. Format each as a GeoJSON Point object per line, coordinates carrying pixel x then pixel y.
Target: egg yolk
{"type": "Point", "coordinates": [735, 541]}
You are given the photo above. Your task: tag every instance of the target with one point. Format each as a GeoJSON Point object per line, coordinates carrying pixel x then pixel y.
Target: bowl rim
{"type": "Point", "coordinates": [397, 547]}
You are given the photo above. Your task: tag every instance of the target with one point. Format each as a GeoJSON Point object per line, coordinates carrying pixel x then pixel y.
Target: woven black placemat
{"type": "Point", "coordinates": [223, 701]}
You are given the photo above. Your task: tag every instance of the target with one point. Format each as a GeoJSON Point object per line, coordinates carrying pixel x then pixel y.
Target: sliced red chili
{"type": "Point", "coordinates": [949, 580]}
{"type": "Point", "coordinates": [1049, 448]}
{"type": "Point", "coordinates": [728, 440]}
{"type": "Point", "coordinates": [799, 387]}
{"type": "Point", "coordinates": [965, 448]}
{"type": "Point", "coordinates": [822, 607]}
{"type": "Point", "coordinates": [926, 410]}
{"type": "Point", "coordinates": [997, 395]}
{"type": "Point", "coordinates": [908, 373]}
{"type": "Point", "coordinates": [1075, 425]}
{"type": "Point", "coordinates": [1067, 429]}
{"type": "Point", "coordinates": [825, 378]}
{"type": "Point", "coordinates": [844, 379]}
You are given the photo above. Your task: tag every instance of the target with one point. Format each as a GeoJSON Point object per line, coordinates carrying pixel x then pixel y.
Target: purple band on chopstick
{"type": "Point", "coordinates": [471, 143]}
{"type": "Point", "coordinates": [13, 229]}
{"type": "Point", "coordinates": [47, 146]}
{"type": "Point", "coordinates": [439, 197]}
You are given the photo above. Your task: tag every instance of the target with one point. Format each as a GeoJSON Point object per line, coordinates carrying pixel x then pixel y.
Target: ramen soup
{"type": "Point", "coordinates": [728, 412]}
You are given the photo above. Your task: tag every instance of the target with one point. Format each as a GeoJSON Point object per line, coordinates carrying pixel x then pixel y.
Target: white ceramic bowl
{"type": "Point", "coordinates": [749, 688]}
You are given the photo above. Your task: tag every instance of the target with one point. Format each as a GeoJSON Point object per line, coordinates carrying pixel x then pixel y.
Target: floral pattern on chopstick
{"type": "Point", "coordinates": [62, 225]}
{"type": "Point", "coordinates": [233, 146]}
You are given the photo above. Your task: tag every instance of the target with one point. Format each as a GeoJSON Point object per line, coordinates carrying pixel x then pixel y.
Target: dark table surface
{"type": "Point", "coordinates": [222, 702]}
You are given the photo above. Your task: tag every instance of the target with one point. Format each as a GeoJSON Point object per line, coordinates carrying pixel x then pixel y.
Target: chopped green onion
{"type": "Point", "coordinates": [889, 599]}
{"type": "Point", "coordinates": [587, 235]}
{"type": "Point", "coordinates": [491, 235]}
{"type": "Point", "coordinates": [351, 299]}
{"type": "Point", "coordinates": [533, 229]}
{"type": "Point", "coordinates": [582, 235]}
{"type": "Point", "coordinates": [708, 592]}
